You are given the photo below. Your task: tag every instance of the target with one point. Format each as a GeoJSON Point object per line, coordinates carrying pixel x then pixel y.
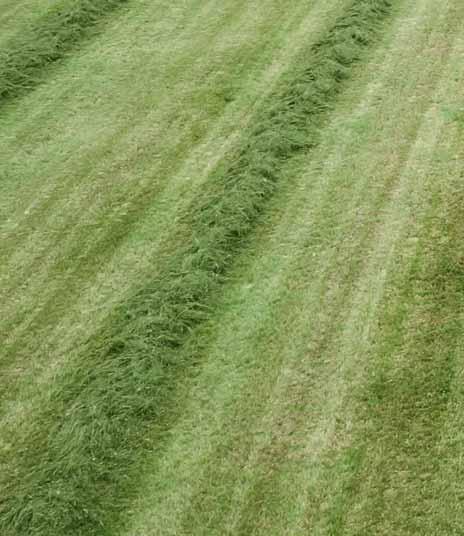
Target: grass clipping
{"type": "Point", "coordinates": [58, 30]}
{"type": "Point", "coordinates": [70, 474]}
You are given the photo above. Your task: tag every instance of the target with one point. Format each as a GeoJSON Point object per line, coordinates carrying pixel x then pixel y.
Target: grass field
{"type": "Point", "coordinates": [232, 277]}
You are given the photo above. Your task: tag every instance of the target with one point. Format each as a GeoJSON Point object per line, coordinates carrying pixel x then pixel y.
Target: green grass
{"type": "Point", "coordinates": [91, 181]}
{"type": "Point", "coordinates": [85, 439]}
{"type": "Point", "coordinates": [272, 428]}
{"type": "Point", "coordinates": [406, 404]}
{"type": "Point", "coordinates": [16, 17]}
{"type": "Point", "coordinates": [24, 56]}
{"type": "Point", "coordinates": [233, 296]}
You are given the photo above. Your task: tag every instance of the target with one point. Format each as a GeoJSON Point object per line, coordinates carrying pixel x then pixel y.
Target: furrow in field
{"type": "Point", "coordinates": [105, 400]}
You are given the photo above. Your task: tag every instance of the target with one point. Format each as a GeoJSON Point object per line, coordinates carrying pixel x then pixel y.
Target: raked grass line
{"type": "Point", "coordinates": [46, 39]}
{"type": "Point", "coordinates": [317, 405]}
{"type": "Point", "coordinates": [52, 280]}
{"type": "Point", "coordinates": [50, 342]}
{"type": "Point", "coordinates": [38, 352]}
{"type": "Point", "coordinates": [17, 17]}
{"type": "Point", "coordinates": [271, 435]}
{"type": "Point", "coordinates": [105, 400]}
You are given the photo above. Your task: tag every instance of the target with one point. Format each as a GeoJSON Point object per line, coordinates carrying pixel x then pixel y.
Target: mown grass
{"type": "Point", "coordinates": [256, 449]}
{"type": "Point", "coordinates": [129, 153]}
{"type": "Point", "coordinates": [16, 17]}
{"type": "Point", "coordinates": [66, 473]}
{"type": "Point", "coordinates": [24, 56]}
{"type": "Point", "coordinates": [407, 402]}
{"type": "Point", "coordinates": [400, 475]}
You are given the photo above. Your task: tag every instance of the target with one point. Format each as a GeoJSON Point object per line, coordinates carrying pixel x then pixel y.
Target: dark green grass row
{"type": "Point", "coordinates": [70, 472]}
{"type": "Point", "coordinates": [24, 57]}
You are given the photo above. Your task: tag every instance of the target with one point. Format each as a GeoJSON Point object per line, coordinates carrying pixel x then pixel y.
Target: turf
{"type": "Point", "coordinates": [99, 408]}
{"type": "Point", "coordinates": [15, 17]}
{"type": "Point", "coordinates": [298, 323]}
{"type": "Point", "coordinates": [280, 431]}
{"type": "Point", "coordinates": [46, 39]}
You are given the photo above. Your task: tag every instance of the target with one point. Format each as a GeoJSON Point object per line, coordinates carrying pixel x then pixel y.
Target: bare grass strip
{"type": "Point", "coordinates": [69, 472]}
{"type": "Point", "coordinates": [23, 59]}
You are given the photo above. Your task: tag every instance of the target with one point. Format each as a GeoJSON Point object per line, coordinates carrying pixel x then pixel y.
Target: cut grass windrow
{"type": "Point", "coordinates": [46, 41]}
{"type": "Point", "coordinates": [69, 471]}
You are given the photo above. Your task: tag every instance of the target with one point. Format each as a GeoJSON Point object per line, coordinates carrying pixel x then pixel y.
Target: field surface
{"type": "Point", "coordinates": [232, 268]}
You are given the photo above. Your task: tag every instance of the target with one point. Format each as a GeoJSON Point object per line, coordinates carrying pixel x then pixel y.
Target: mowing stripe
{"type": "Point", "coordinates": [410, 396]}
{"type": "Point", "coordinates": [93, 427]}
{"type": "Point", "coordinates": [24, 56]}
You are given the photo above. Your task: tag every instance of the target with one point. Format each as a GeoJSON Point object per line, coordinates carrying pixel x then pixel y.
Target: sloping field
{"type": "Point", "coordinates": [232, 267]}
